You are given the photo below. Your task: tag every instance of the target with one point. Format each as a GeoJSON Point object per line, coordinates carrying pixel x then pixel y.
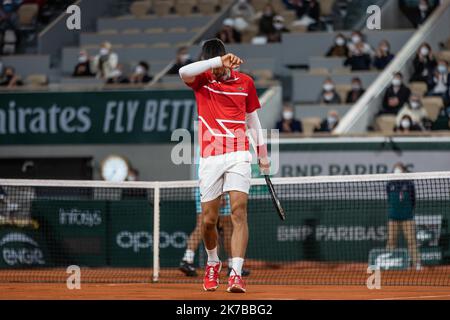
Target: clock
{"type": "Point", "coordinates": [114, 168]}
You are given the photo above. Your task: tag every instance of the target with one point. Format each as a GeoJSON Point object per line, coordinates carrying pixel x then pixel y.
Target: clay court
{"type": "Point", "coordinates": [311, 282]}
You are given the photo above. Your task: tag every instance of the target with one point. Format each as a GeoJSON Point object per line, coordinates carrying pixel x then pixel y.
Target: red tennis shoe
{"type": "Point", "coordinates": [236, 284]}
{"type": "Point", "coordinates": [211, 279]}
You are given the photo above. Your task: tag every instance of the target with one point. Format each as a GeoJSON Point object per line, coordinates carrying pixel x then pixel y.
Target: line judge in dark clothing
{"type": "Point", "coordinates": [401, 196]}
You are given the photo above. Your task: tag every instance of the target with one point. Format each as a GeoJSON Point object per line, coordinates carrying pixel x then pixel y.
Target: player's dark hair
{"type": "Point", "coordinates": [212, 48]}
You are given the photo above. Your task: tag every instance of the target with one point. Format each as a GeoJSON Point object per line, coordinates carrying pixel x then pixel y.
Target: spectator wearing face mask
{"type": "Point", "coordinates": [395, 96]}
{"type": "Point", "coordinates": [329, 94]}
{"type": "Point", "coordinates": [10, 78]}
{"type": "Point", "coordinates": [330, 123]}
{"type": "Point", "coordinates": [358, 59]}
{"type": "Point", "coordinates": [183, 58]}
{"type": "Point", "coordinates": [443, 120]}
{"type": "Point", "coordinates": [140, 74]}
{"type": "Point", "coordinates": [439, 82]}
{"type": "Point", "coordinates": [83, 67]}
{"type": "Point", "coordinates": [383, 55]}
{"type": "Point", "coordinates": [308, 11]}
{"type": "Point", "coordinates": [424, 63]}
{"type": "Point", "coordinates": [358, 46]}
{"type": "Point", "coordinates": [8, 14]}
{"type": "Point", "coordinates": [356, 92]}
{"type": "Point", "coordinates": [228, 34]}
{"type": "Point", "coordinates": [279, 27]}
{"type": "Point", "coordinates": [243, 9]}
{"type": "Point", "coordinates": [407, 125]}
{"type": "Point", "coordinates": [415, 111]}
{"type": "Point", "coordinates": [339, 48]}
{"type": "Point", "coordinates": [105, 62]}
{"type": "Point", "coordinates": [288, 124]}
{"type": "Point", "coordinates": [266, 27]}
{"type": "Point", "coordinates": [420, 14]}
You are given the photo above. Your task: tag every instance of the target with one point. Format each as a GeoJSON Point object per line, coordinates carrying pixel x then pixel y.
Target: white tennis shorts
{"type": "Point", "coordinates": [223, 173]}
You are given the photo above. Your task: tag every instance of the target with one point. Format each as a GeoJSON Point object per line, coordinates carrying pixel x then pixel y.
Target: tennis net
{"type": "Point", "coordinates": [338, 230]}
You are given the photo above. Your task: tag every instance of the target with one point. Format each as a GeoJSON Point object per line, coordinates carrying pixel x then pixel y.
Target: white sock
{"type": "Point", "coordinates": [230, 263]}
{"type": "Point", "coordinates": [236, 265]}
{"type": "Point", "coordinates": [212, 256]}
{"type": "Point", "coordinates": [189, 256]}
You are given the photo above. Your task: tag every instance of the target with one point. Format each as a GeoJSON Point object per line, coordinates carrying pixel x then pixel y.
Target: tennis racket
{"type": "Point", "coordinates": [275, 199]}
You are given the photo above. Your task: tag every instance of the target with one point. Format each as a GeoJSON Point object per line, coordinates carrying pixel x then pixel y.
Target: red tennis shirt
{"type": "Point", "coordinates": [222, 106]}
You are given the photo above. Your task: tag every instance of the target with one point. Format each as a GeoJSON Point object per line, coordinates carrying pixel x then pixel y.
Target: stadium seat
{"type": "Point", "coordinates": [385, 123]}
{"type": "Point", "coordinates": [178, 29]}
{"type": "Point", "coordinates": [319, 71]}
{"type": "Point", "coordinates": [419, 88]}
{"type": "Point", "coordinates": [160, 45]}
{"type": "Point", "coordinates": [297, 28]}
{"type": "Point", "coordinates": [263, 74]}
{"type": "Point", "coordinates": [37, 80]}
{"type": "Point", "coordinates": [310, 124]}
{"type": "Point", "coordinates": [326, 7]}
{"type": "Point", "coordinates": [184, 7]}
{"type": "Point", "coordinates": [289, 16]}
{"type": "Point", "coordinates": [248, 34]}
{"type": "Point", "coordinates": [27, 15]}
{"type": "Point", "coordinates": [108, 31]}
{"type": "Point", "coordinates": [433, 105]}
{"type": "Point", "coordinates": [9, 42]}
{"type": "Point", "coordinates": [154, 30]}
{"type": "Point", "coordinates": [259, 4]}
{"type": "Point", "coordinates": [207, 7]}
{"type": "Point", "coordinates": [140, 9]}
{"type": "Point", "coordinates": [162, 7]}
{"type": "Point", "coordinates": [131, 31]}
{"type": "Point", "coordinates": [444, 55]}
{"type": "Point", "coordinates": [342, 90]}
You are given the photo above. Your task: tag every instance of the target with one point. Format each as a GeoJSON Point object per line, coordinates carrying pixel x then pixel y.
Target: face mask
{"type": "Point", "coordinates": [385, 49]}
{"type": "Point", "coordinates": [398, 170]}
{"type": "Point", "coordinates": [331, 121]}
{"type": "Point", "coordinates": [184, 57]}
{"type": "Point", "coordinates": [415, 104]}
{"type": "Point", "coordinates": [406, 124]}
{"type": "Point", "coordinates": [328, 96]}
{"type": "Point", "coordinates": [356, 87]}
{"type": "Point", "coordinates": [424, 51]}
{"type": "Point", "coordinates": [104, 51]}
{"type": "Point", "coordinates": [278, 25]}
{"type": "Point", "coordinates": [396, 82]}
{"type": "Point", "coordinates": [288, 115]}
{"type": "Point", "coordinates": [442, 68]}
{"type": "Point", "coordinates": [328, 87]}
{"type": "Point", "coordinates": [268, 13]}
{"type": "Point", "coordinates": [340, 41]}
{"type": "Point", "coordinates": [356, 39]}
{"type": "Point", "coordinates": [423, 7]}
{"type": "Point", "coordinates": [140, 70]}
{"type": "Point", "coordinates": [82, 59]}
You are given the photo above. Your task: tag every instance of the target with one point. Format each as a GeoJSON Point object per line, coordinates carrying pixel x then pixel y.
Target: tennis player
{"type": "Point", "coordinates": [227, 105]}
{"type": "Point", "coordinates": [401, 205]}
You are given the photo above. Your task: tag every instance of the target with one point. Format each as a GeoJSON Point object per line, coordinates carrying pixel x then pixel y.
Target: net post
{"type": "Point", "coordinates": [156, 232]}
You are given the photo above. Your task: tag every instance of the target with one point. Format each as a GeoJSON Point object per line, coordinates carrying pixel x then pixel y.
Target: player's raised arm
{"type": "Point", "coordinates": [190, 71]}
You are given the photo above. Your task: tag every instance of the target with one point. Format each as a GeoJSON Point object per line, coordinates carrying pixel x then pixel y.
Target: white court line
{"type": "Point", "coordinates": [416, 297]}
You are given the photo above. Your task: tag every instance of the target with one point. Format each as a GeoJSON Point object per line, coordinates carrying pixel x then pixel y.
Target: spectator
{"type": "Point", "coordinates": [243, 9]}
{"type": "Point", "coordinates": [141, 74]}
{"type": "Point", "coordinates": [424, 63]}
{"type": "Point", "coordinates": [356, 92]}
{"type": "Point", "coordinates": [407, 125]}
{"type": "Point", "coordinates": [439, 82]}
{"type": "Point", "coordinates": [279, 28]}
{"type": "Point", "coordinates": [418, 15]}
{"type": "Point", "coordinates": [105, 63]}
{"type": "Point", "coordinates": [228, 34]}
{"type": "Point", "coordinates": [288, 124]}
{"type": "Point", "coordinates": [358, 58]}
{"type": "Point", "coordinates": [443, 120]}
{"type": "Point", "coordinates": [117, 77]}
{"type": "Point", "coordinates": [8, 15]}
{"type": "Point", "coordinates": [183, 58]}
{"type": "Point", "coordinates": [395, 96]}
{"type": "Point", "coordinates": [330, 123]}
{"type": "Point", "coordinates": [266, 27]}
{"type": "Point", "coordinates": [10, 78]}
{"type": "Point", "coordinates": [357, 45]}
{"type": "Point", "coordinates": [83, 68]}
{"type": "Point", "coordinates": [308, 12]}
{"type": "Point", "coordinates": [415, 111]}
{"type": "Point", "coordinates": [339, 48]}
{"type": "Point", "coordinates": [383, 55]}
{"type": "Point", "coordinates": [329, 94]}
